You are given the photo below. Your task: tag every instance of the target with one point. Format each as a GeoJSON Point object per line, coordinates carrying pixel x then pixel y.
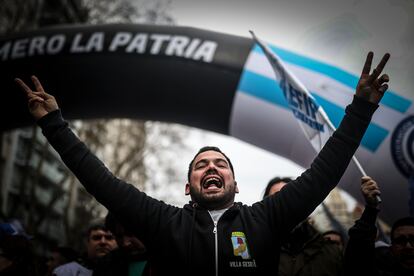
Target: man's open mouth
{"type": "Point", "coordinates": [212, 181]}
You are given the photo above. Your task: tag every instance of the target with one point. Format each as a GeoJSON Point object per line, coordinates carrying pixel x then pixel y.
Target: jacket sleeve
{"type": "Point", "coordinates": [297, 200]}
{"type": "Point", "coordinates": [360, 250]}
{"type": "Point", "coordinates": [140, 213]}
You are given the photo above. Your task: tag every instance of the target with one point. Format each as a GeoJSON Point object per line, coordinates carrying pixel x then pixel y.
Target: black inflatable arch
{"type": "Point", "coordinates": [165, 73]}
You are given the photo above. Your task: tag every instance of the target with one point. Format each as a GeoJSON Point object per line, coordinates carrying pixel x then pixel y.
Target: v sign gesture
{"type": "Point", "coordinates": [40, 103]}
{"type": "Point", "coordinates": [371, 87]}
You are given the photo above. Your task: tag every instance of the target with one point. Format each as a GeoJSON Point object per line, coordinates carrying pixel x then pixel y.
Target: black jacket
{"type": "Point", "coordinates": [360, 257]}
{"type": "Point", "coordinates": [308, 253]}
{"type": "Point", "coordinates": [181, 240]}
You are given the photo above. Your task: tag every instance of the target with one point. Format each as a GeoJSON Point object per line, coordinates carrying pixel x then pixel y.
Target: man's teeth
{"type": "Point", "coordinates": [212, 181]}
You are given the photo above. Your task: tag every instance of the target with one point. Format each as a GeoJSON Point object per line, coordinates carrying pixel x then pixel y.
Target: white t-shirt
{"type": "Point", "coordinates": [216, 214]}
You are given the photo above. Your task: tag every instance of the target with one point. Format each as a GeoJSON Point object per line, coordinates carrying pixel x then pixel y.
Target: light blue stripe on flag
{"type": "Point", "coordinates": [374, 134]}
{"type": "Point", "coordinates": [390, 99]}
{"type": "Point", "coordinates": [263, 88]}
{"type": "Point", "coordinates": [268, 90]}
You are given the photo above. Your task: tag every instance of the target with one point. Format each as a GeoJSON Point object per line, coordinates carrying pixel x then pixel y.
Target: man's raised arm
{"type": "Point", "coordinates": [301, 196]}
{"type": "Point", "coordinates": [360, 250]}
{"type": "Point", "coordinates": [131, 206]}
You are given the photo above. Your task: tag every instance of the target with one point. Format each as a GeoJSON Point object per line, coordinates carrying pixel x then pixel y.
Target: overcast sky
{"type": "Point", "coordinates": [337, 32]}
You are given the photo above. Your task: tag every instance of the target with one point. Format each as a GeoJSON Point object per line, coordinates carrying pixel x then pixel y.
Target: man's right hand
{"type": "Point", "coordinates": [370, 191]}
{"type": "Point", "coordinates": [40, 103]}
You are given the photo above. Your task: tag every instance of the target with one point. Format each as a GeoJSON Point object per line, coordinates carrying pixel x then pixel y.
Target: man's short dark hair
{"type": "Point", "coordinates": [405, 221]}
{"type": "Point", "coordinates": [96, 226]}
{"type": "Point", "coordinates": [274, 181]}
{"type": "Point", "coordinates": [208, 148]}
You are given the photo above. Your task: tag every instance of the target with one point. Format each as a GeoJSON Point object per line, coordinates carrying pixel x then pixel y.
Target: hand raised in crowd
{"type": "Point", "coordinates": [40, 103]}
{"type": "Point", "coordinates": [370, 191]}
{"type": "Point", "coordinates": [371, 87]}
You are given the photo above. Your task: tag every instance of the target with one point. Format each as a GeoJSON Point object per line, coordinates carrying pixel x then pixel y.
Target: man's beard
{"type": "Point", "coordinates": [213, 202]}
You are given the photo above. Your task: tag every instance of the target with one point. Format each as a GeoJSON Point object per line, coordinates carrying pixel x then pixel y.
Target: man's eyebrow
{"type": "Point", "coordinates": [221, 160]}
{"type": "Point", "coordinates": [201, 161]}
{"type": "Point", "coordinates": [215, 160]}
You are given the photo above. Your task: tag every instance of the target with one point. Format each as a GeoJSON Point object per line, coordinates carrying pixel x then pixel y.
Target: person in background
{"type": "Point", "coordinates": [99, 242]}
{"type": "Point", "coordinates": [17, 257]}
{"type": "Point", "coordinates": [60, 255]}
{"type": "Point", "coordinates": [306, 251]}
{"type": "Point", "coordinates": [360, 256]}
{"type": "Point", "coordinates": [335, 237]}
{"type": "Point", "coordinates": [129, 259]}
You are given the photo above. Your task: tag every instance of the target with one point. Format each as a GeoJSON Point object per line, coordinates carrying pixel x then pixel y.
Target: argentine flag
{"type": "Point", "coordinates": [312, 118]}
{"type": "Point", "coordinates": [309, 114]}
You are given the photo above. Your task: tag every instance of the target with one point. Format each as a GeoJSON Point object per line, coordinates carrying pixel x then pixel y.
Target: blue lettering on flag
{"type": "Point", "coordinates": [302, 106]}
{"type": "Point", "coordinates": [312, 123]}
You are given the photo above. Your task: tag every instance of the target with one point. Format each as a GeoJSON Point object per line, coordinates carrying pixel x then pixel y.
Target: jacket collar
{"type": "Point", "coordinates": [191, 205]}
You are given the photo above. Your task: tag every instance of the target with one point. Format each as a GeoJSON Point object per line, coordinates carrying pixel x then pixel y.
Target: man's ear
{"type": "Point", "coordinates": [187, 188]}
{"type": "Point", "coordinates": [236, 187]}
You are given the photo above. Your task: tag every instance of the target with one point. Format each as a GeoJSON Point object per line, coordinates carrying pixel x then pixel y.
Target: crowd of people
{"type": "Point", "coordinates": [213, 234]}
{"type": "Point", "coordinates": [109, 250]}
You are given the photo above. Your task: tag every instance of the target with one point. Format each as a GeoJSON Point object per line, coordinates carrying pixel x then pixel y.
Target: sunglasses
{"type": "Point", "coordinates": [402, 240]}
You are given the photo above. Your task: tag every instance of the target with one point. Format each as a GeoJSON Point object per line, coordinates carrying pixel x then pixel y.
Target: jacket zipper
{"type": "Point", "coordinates": [216, 250]}
{"type": "Point", "coordinates": [216, 245]}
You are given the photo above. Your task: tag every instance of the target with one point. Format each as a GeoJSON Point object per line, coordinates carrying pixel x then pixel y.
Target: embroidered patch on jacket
{"type": "Point", "coordinates": [239, 242]}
